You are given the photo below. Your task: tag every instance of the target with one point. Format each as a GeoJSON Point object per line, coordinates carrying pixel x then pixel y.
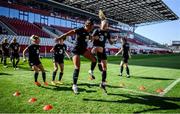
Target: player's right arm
{"type": "Point", "coordinates": [24, 53]}
{"type": "Point", "coordinates": [69, 33]}
{"type": "Point", "coordinates": [120, 50]}
{"type": "Point", "coordinates": [52, 49]}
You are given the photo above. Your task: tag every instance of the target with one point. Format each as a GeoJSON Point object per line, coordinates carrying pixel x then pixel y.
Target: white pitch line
{"type": "Point", "coordinates": [139, 92]}
{"type": "Point", "coordinates": [167, 89]}
{"type": "Point", "coordinates": [125, 89]}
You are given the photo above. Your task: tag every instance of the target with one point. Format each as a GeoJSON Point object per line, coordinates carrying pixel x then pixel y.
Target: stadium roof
{"type": "Point", "coordinates": [131, 12]}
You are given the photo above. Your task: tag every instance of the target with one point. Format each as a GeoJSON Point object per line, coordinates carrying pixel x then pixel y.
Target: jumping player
{"type": "Point", "coordinates": [125, 49]}
{"type": "Point", "coordinates": [80, 48]}
{"type": "Point", "coordinates": [15, 48]}
{"type": "Point", "coordinates": [5, 51]}
{"type": "Point", "coordinates": [34, 59]}
{"type": "Point", "coordinates": [58, 58]}
{"type": "Point", "coordinates": [100, 36]}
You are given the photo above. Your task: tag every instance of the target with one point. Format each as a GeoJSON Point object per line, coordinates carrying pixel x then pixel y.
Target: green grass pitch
{"type": "Point", "coordinates": [150, 71]}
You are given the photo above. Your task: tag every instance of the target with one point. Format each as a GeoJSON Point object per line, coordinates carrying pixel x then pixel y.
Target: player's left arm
{"type": "Point", "coordinates": [129, 53]}
{"type": "Point", "coordinates": [19, 49]}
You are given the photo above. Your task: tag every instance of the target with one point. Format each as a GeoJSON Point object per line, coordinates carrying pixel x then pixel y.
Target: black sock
{"type": "Point", "coordinates": [127, 70]}
{"type": "Point", "coordinates": [104, 76]}
{"type": "Point", "coordinates": [1, 59]}
{"type": "Point", "coordinates": [121, 69]}
{"type": "Point", "coordinates": [17, 62]}
{"type": "Point", "coordinates": [100, 67]}
{"type": "Point", "coordinates": [35, 76]}
{"type": "Point", "coordinates": [5, 61]}
{"type": "Point", "coordinates": [13, 61]}
{"type": "Point", "coordinates": [93, 65]}
{"type": "Point", "coordinates": [60, 76]}
{"type": "Point", "coordinates": [75, 76]}
{"type": "Point", "coordinates": [44, 76]}
{"type": "Point", "coordinates": [54, 75]}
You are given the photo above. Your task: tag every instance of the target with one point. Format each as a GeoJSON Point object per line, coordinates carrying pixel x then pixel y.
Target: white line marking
{"type": "Point", "coordinates": [167, 89]}
{"type": "Point", "coordinates": [140, 92]}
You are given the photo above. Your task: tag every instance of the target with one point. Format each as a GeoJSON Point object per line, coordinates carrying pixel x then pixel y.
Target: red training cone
{"type": "Point", "coordinates": [17, 93]}
{"type": "Point", "coordinates": [32, 100]}
{"type": "Point", "coordinates": [47, 107]}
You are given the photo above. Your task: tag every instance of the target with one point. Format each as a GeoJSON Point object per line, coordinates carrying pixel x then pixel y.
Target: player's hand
{"type": "Point", "coordinates": [96, 37]}
{"type": "Point", "coordinates": [116, 54]}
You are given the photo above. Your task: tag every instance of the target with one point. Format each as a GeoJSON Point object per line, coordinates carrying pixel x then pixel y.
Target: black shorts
{"type": "Point", "coordinates": [5, 54]}
{"type": "Point", "coordinates": [125, 59]}
{"type": "Point", "coordinates": [102, 56]}
{"type": "Point", "coordinates": [15, 56]}
{"type": "Point", "coordinates": [59, 60]}
{"type": "Point", "coordinates": [79, 50]}
{"type": "Point", "coordinates": [34, 62]}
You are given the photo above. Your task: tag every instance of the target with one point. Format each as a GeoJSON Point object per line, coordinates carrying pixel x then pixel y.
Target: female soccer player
{"type": "Point", "coordinates": [5, 51]}
{"type": "Point", "coordinates": [34, 60]}
{"type": "Point", "coordinates": [58, 58]}
{"type": "Point", "coordinates": [125, 49]}
{"type": "Point", "coordinates": [80, 48]}
{"type": "Point", "coordinates": [100, 36]}
{"type": "Point", "coordinates": [15, 48]}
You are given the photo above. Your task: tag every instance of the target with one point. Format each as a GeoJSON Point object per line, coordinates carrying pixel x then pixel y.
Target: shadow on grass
{"type": "Point", "coordinates": [151, 78]}
{"type": "Point", "coordinates": [28, 68]}
{"type": "Point", "coordinates": [5, 74]}
{"type": "Point", "coordinates": [160, 103]}
{"type": "Point", "coordinates": [65, 88]}
{"type": "Point", "coordinates": [89, 85]}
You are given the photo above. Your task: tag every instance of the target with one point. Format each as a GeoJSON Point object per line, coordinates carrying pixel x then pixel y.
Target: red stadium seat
{"type": "Point", "coordinates": [22, 27]}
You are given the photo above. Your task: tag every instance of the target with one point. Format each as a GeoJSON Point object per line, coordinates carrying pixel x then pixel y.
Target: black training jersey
{"type": "Point", "coordinates": [103, 36]}
{"type": "Point", "coordinates": [5, 47]}
{"type": "Point", "coordinates": [59, 50]}
{"type": "Point", "coordinates": [125, 50]}
{"type": "Point", "coordinates": [14, 47]}
{"type": "Point", "coordinates": [82, 37]}
{"type": "Point", "coordinates": [34, 50]}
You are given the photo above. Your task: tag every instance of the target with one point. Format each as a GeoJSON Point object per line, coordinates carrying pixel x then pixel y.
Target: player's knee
{"type": "Point", "coordinates": [104, 67]}
{"type": "Point", "coordinates": [94, 59]}
{"type": "Point", "coordinates": [55, 69]}
{"type": "Point", "coordinates": [126, 65]}
{"type": "Point", "coordinates": [77, 67]}
{"type": "Point", "coordinates": [62, 70]}
{"type": "Point", "coordinates": [36, 70]}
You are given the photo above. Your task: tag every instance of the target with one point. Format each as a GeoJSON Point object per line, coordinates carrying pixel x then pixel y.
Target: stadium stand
{"type": "Point", "coordinates": [22, 27]}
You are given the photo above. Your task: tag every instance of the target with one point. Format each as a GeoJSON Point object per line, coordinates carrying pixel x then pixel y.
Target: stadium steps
{"type": "Point", "coordinates": [53, 32]}
{"type": "Point", "coordinates": [7, 28]}
{"type": "Point", "coordinates": [21, 27]}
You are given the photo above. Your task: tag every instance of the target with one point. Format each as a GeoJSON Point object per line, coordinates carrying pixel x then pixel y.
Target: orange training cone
{"type": "Point", "coordinates": [142, 88]}
{"type": "Point", "coordinates": [122, 85]}
{"type": "Point", "coordinates": [159, 90]}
